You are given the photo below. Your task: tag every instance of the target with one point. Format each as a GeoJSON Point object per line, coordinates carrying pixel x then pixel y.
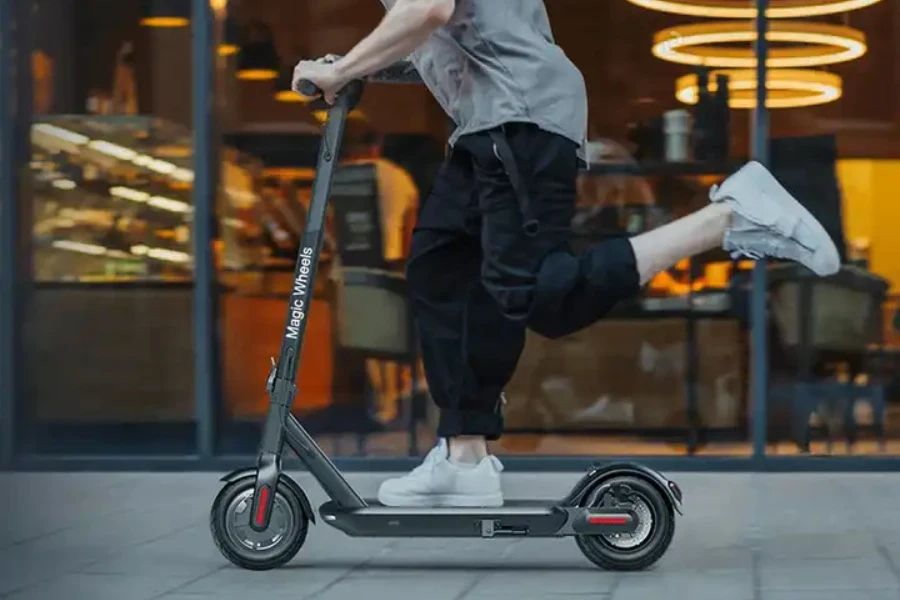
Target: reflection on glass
{"type": "Point", "coordinates": [833, 343]}
{"type": "Point", "coordinates": [109, 336]}
{"type": "Point", "coordinates": [666, 374]}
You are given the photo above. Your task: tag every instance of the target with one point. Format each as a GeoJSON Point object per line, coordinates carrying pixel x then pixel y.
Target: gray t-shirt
{"type": "Point", "coordinates": [496, 62]}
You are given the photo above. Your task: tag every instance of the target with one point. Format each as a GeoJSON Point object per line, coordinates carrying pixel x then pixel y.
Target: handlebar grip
{"type": "Point", "coordinates": [309, 89]}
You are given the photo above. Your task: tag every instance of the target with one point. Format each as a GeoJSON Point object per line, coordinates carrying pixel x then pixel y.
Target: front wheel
{"type": "Point", "coordinates": [631, 551]}
{"type": "Point", "coordinates": [229, 522]}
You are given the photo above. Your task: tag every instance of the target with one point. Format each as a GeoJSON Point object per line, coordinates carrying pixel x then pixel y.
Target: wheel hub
{"type": "Point", "coordinates": [645, 525]}
{"type": "Point", "coordinates": [237, 523]}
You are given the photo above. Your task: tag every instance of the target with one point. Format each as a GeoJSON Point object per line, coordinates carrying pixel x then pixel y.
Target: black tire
{"type": "Point", "coordinates": [287, 508]}
{"type": "Point", "coordinates": [606, 555]}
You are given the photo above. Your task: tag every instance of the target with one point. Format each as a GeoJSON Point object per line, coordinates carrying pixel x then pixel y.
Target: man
{"type": "Point", "coordinates": [398, 200]}
{"type": "Point", "coordinates": [486, 261]}
{"type": "Point", "coordinates": [398, 196]}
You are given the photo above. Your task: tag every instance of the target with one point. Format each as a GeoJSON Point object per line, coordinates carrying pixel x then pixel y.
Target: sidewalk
{"type": "Point", "coordinates": [744, 537]}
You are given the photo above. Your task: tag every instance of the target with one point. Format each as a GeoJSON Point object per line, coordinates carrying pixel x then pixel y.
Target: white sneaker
{"type": "Point", "coordinates": [439, 482]}
{"type": "Point", "coordinates": [769, 222]}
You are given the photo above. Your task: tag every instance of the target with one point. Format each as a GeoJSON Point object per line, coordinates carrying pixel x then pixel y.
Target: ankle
{"type": "Point", "coordinates": [467, 448]}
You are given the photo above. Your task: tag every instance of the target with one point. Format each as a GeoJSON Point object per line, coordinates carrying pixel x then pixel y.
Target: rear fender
{"type": "Point", "coordinates": [599, 474]}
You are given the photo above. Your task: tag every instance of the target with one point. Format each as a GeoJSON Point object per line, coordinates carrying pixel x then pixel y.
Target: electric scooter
{"type": "Point", "coordinates": [621, 515]}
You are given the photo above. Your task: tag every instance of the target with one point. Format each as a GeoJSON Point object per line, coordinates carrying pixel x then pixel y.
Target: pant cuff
{"type": "Point", "coordinates": [622, 266]}
{"type": "Point", "coordinates": [454, 423]}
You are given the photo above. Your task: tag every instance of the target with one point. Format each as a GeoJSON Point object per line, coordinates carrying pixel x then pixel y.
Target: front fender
{"type": "Point", "coordinates": [250, 473]}
{"type": "Point", "coordinates": [601, 473]}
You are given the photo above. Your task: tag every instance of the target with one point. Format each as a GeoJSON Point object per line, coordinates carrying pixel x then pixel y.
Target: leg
{"type": "Point", "coordinates": [660, 249]}
{"type": "Point", "coordinates": [751, 215]}
{"type": "Point", "coordinates": [539, 280]}
{"type": "Point", "coordinates": [469, 351]}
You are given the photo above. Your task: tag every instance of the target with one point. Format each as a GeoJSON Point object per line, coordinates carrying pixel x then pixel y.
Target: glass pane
{"type": "Point", "coordinates": [352, 400]}
{"type": "Point", "coordinates": [665, 373]}
{"type": "Point", "coordinates": [653, 378]}
{"type": "Point", "coordinates": [834, 354]}
{"type": "Point", "coordinates": [109, 315]}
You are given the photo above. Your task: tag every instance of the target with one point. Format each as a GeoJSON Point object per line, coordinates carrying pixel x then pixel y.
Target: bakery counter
{"type": "Point", "coordinates": [653, 366]}
{"type": "Point", "coordinates": [109, 352]}
{"type": "Point", "coordinates": [253, 321]}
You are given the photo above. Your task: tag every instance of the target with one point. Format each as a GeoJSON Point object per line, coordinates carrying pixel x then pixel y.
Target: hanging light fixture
{"type": "Point", "coordinates": [258, 58]}
{"type": "Point", "coordinates": [810, 44]}
{"type": "Point", "coordinates": [787, 88]}
{"type": "Point", "coordinates": [283, 91]}
{"type": "Point", "coordinates": [230, 37]}
{"type": "Point", "coordinates": [166, 13]}
{"type": "Point", "coordinates": [742, 9]}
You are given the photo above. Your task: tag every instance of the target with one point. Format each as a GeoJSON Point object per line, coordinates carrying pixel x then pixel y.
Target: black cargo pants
{"type": "Point", "coordinates": [478, 279]}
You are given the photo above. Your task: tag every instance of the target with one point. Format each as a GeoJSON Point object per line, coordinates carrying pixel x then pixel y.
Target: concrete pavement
{"type": "Point", "coordinates": [744, 537]}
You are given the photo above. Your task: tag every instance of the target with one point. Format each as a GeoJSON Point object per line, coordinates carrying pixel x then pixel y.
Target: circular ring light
{"type": "Point", "coordinates": [788, 88]}
{"type": "Point", "coordinates": [742, 9]}
{"type": "Point", "coordinates": [808, 44]}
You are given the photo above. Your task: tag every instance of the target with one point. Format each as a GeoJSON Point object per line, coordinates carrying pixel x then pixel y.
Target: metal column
{"type": "Point", "coordinates": [758, 330]}
{"type": "Point", "coordinates": [8, 233]}
{"type": "Point", "coordinates": [206, 171]}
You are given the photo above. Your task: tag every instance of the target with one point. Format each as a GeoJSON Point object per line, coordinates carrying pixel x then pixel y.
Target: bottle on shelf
{"type": "Point", "coordinates": [703, 117]}
{"type": "Point", "coordinates": [721, 133]}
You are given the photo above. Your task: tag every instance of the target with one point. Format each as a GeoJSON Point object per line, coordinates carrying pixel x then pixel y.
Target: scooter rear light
{"type": "Point", "coordinates": [608, 519]}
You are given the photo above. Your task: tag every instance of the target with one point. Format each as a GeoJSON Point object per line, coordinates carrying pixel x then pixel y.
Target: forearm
{"type": "Point", "coordinates": [403, 29]}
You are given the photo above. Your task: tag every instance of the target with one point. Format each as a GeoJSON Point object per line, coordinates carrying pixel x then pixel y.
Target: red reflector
{"type": "Point", "coordinates": [261, 507]}
{"type": "Point", "coordinates": [608, 520]}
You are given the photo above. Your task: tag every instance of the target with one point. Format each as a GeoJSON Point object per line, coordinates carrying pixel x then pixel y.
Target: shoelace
{"type": "Point", "coordinates": [737, 254]}
{"type": "Point", "coordinates": [770, 247]}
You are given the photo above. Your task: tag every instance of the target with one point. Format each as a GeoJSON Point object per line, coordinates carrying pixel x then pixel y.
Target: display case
{"type": "Point", "coordinates": [112, 201]}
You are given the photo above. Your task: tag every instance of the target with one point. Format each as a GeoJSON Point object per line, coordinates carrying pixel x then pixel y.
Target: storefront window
{"type": "Point", "coordinates": [108, 317]}
{"type": "Point", "coordinates": [655, 378]}
{"type": "Point", "coordinates": [833, 343]}
{"type": "Point", "coordinates": [350, 399]}
{"type": "Point", "coordinates": [666, 373]}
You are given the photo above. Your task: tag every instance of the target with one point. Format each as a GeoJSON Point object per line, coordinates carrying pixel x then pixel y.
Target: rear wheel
{"type": "Point", "coordinates": [655, 526]}
{"type": "Point", "coordinates": [229, 522]}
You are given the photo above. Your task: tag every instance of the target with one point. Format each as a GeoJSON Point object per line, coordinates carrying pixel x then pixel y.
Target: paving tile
{"type": "Point", "coordinates": [549, 583]}
{"type": "Point", "coordinates": [733, 584]}
{"type": "Point", "coordinates": [145, 536]}
{"type": "Point", "coordinates": [99, 587]}
{"type": "Point", "coordinates": [445, 586]}
{"type": "Point", "coordinates": [837, 574]}
{"type": "Point", "coordinates": [830, 595]}
{"type": "Point", "coordinates": [291, 581]}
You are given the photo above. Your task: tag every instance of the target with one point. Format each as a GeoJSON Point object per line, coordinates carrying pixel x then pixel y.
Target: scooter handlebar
{"type": "Point", "coordinates": [400, 72]}
{"type": "Point", "coordinates": [309, 89]}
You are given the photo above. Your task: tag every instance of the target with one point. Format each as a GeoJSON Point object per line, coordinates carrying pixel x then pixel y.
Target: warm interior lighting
{"type": "Point", "coordinates": [166, 13]}
{"type": "Point", "coordinates": [258, 59]}
{"type": "Point", "coordinates": [289, 96]}
{"type": "Point", "coordinates": [74, 141]}
{"type": "Point", "coordinates": [283, 91]}
{"type": "Point", "coordinates": [228, 49]}
{"type": "Point", "coordinates": [788, 88]}
{"type": "Point", "coordinates": [164, 21]}
{"type": "Point", "coordinates": [322, 115]}
{"type": "Point", "coordinates": [257, 74]}
{"type": "Point", "coordinates": [744, 9]}
{"type": "Point", "coordinates": [230, 44]}
{"type": "Point", "coordinates": [693, 44]}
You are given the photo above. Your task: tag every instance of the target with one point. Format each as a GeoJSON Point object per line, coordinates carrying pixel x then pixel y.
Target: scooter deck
{"type": "Point", "coordinates": [535, 518]}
